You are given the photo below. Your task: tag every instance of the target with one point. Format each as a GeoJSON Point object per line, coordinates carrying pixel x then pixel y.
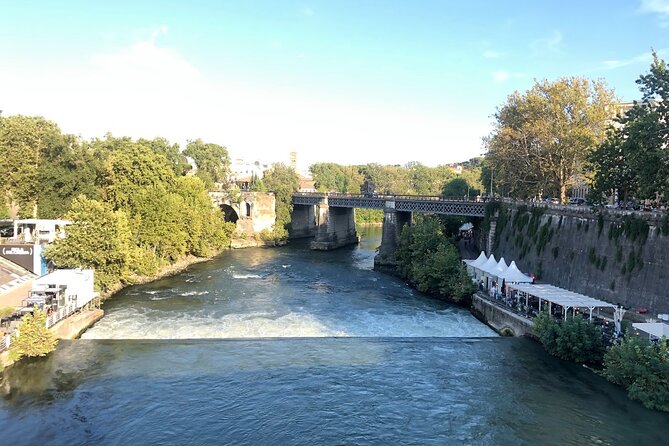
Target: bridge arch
{"type": "Point", "coordinates": [229, 213]}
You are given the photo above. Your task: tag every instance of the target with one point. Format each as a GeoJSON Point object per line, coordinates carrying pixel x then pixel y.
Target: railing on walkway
{"type": "Point", "coordinates": [59, 315]}
{"type": "Point", "coordinates": [5, 342]}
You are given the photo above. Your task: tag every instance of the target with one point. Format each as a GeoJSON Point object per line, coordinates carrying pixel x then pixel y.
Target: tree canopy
{"type": "Point", "coordinates": [429, 260]}
{"type": "Point", "coordinates": [542, 137]}
{"type": "Point", "coordinates": [212, 160]}
{"type": "Point", "coordinates": [633, 160]}
{"type": "Point", "coordinates": [283, 181]}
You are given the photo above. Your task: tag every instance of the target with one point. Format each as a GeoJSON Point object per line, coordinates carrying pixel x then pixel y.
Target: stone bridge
{"type": "Point", "coordinates": [330, 218]}
{"type": "Point", "coordinates": [252, 212]}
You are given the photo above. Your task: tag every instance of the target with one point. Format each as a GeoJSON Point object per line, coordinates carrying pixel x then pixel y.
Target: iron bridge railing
{"type": "Point", "coordinates": [408, 203]}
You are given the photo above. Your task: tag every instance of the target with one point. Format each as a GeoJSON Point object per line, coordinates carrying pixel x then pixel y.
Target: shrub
{"type": "Point", "coordinates": [574, 339]}
{"type": "Point", "coordinates": [6, 311]}
{"type": "Point", "coordinates": [642, 368]}
{"type": "Point", "coordinates": [32, 337]}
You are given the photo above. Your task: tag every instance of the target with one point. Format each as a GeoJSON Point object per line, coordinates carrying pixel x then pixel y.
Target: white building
{"type": "Point", "coordinates": [64, 287]}
{"type": "Point", "coordinates": [34, 230]}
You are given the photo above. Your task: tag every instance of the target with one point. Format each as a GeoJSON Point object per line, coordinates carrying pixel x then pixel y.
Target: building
{"type": "Point", "coordinates": [243, 173]}
{"type": "Point", "coordinates": [34, 230]}
{"type": "Point", "coordinates": [63, 288]}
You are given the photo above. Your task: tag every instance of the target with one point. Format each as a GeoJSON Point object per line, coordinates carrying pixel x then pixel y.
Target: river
{"type": "Point", "coordinates": [289, 346]}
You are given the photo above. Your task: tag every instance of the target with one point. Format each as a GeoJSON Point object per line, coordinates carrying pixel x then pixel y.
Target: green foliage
{"type": "Point", "coordinates": [642, 368]}
{"type": "Point", "coordinates": [619, 254]}
{"type": "Point", "coordinates": [458, 187]}
{"type": "Point", "coordinates": [331, 177]}
{"type": "Point", "coordinates": [24, 141]}
{"type": "Point", "coordinates": [574, 339]}
{"type": "Point", "coordinates": [6, 311]}
{"type": "Point", "coordinates": [367, 216]}
{"type": "Point", "coordinates": [212, 160]}
{"type": "Point", "coordinates": [32, 338]}
{"type": "Point", "coordinates": [544, 237]}
{"type": "Point", "coordinates": [163, 147]}
{"type": "Point", "coordinates": [600, 224]}
{"type": "Point", "coordinates": [284, 182]}
{"type": "Point", "coordinates": [556, 252]}
{"type": "Point", "coordinates": [133, 209]}
{"type": "Point", "coordinates": [633, 159]}
{"type": "Point", "coordinates": [542, 136]}
{"type": "Point", "coordinates": [431, 262]}
{"type": "Point", "coordinates": [100, 238]}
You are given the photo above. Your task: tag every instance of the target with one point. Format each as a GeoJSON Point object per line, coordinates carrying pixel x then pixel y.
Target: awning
{"type": "Point", "coordinates": [560, 296]}
{"type": "Point", "coordinates": [499, 268]}
{"type": "Point", "coordinates": [480, 260]}
{"type": "Point", "coordinates": [488, 265]}
{"type": "Point", "coordinates": [655, 329]}
{"type": "Point", "coordinates": [514, 275]}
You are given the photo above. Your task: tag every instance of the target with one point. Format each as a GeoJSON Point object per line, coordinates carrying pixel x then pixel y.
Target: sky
{"type": "Point", "coordinates": [342, 81]}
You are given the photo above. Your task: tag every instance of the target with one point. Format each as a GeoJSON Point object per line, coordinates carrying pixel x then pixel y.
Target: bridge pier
{"type": "Point", "coordinates": [393, 222]}
{"type": "Point", "coordinates": [336, 227]}
{"type": "Point", "coordinates": [303, 221]}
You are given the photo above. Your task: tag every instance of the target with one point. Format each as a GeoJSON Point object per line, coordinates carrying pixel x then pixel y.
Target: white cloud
{"type": "Point", "coordinates": [659, 7]}
{"type": "Point", "coordinates": [548, 44]}
{"type": "Point", "coordinates": [491, 54]}
{"type": "Point", "coordinates": [500, 75]}
{"type": "Point", "coordinates": [644, 58]}
{"type": "Point", "coordinates": [148, 90]}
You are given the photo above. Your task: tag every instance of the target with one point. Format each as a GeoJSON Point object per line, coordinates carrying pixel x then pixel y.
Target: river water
{"type": "Point", "coordinates": [288, 346]}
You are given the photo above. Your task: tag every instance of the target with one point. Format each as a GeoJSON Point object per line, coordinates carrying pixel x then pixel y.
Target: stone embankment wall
{"type": "Point", "coordinates": [620, 259]}
{"type": "Point", "coordinates": [500, 319]}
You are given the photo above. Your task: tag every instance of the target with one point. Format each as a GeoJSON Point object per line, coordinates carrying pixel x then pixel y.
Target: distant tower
{"type": "Point", "coordinates": [293, 160]}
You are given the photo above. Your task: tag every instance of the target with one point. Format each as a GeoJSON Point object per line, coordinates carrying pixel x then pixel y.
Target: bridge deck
{"type": "Point", "coordinates": [408, 203]}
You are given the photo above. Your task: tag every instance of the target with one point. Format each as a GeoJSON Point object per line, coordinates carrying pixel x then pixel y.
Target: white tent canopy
{"type": "Point", "coordinates": [499, 268]}
{"type": "Point", "coordinates": [654, 329]}
{"type": "Point", "coordinates": [480, 260]}
{"type": "Point", "coordinates": [555, 295]}
{"type": "Point", "coordinates": [514, 275]}
{"type": "Point", "coordinates": [488, 266]}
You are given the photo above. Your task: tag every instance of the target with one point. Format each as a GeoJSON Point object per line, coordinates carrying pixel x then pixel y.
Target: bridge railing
{"type": "Point", "coordinates": [391, 197]}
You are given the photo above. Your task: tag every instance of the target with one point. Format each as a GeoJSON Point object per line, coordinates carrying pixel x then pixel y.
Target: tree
{"type": "Point", "coordinates": [23, 142]}
{"type": "Point", "coordinates": [131, 168]}
{"type": "Point", "coordinates": [633, 161]}
{"type": "Point", "coordinates": [284, 182]}
{"type": "Point", "coordinates": [642, 368]}
{"type": "Point", "coordinates": [100, 238]}
{"type": "Point", "coordinates": [457, 187]}
{"type": "Point", "coordinates": [331, 177]}
{"type": "Point", "coordinates": [542, 137]}
{"type": "Point", "coordinates": [428, 259]}
{"type": "Point", "coordinates": [32, 338]}
{"type": "Point", "coordinates": [212, 160]}
{"type": "Point", "coordinates": [65, 172]}
{"type": "Point", "coordinates": [170, 151]}
{"type": "Point", "coordinates": [573, 339]}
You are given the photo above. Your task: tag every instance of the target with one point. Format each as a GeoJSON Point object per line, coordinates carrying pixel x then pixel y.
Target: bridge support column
{"type": "Point", "coordinates": [336, 227]}
{"type": "Point", "coordinates": [303, 221]}
{"type": "Point", "coordinates": [393, 222]}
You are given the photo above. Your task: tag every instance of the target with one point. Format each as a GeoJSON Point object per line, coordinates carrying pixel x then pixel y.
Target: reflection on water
{"type": "Point", "coordinates": [317, 391]}
{"type": "Point", "coordinates": [403, 369]}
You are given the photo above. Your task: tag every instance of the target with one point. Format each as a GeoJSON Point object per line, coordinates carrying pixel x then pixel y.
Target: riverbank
{"type": "Point", "coordinates": [165, 271]}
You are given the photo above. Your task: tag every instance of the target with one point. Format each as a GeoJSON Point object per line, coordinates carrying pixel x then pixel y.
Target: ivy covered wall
{"type": "Point", "coordinates": [621, 259]}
